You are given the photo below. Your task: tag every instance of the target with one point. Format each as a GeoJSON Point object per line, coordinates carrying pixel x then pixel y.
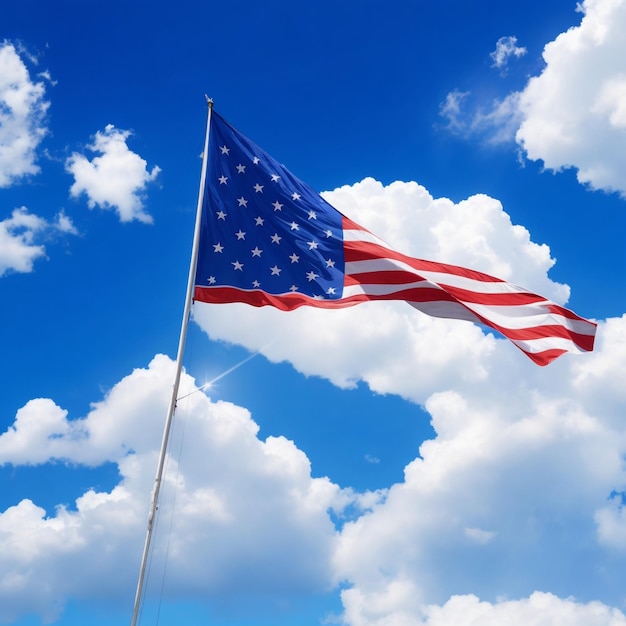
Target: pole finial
{"type": "Point", "coordinates": [209, 101]}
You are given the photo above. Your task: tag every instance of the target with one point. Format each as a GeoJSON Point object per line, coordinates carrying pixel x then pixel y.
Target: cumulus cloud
{"type": "Point", "coordinates": [256, 500]}
{"type": "Point", "coordinates": [23, 110]}
{"type": "Point", "coordinates": [506, 47]}
{"type": "Point", "coordinates": [115, 179]}
{"type": "Point", "coordinates": [21, 237]}
{"type": "Point", "coordinates": [517, 486]}
{"type": "Point", "coordinates": [574, 112]}
{"type": "Point", "coordinates": [474, 233]}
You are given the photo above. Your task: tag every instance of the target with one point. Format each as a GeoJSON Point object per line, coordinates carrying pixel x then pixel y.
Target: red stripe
{"type": "Point", "coordinates": [559, 310]}
{"type": "Point", "coordinates": [284, 302]}
{"type": "Point", "coordinates": [546, 357]}
{"type": "Point", "coordinates": [493, 299]}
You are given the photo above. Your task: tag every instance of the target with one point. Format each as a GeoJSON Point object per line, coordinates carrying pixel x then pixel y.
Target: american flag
{"type": "Point", "coordinates": [267, 238]}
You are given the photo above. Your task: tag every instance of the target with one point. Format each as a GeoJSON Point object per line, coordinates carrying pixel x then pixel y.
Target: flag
{"type": "Point", "coordinates": [268, 239]}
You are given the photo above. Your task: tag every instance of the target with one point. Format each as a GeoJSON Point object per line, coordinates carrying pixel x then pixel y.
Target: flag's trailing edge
{"type": "Point", "coordinates": [268, 239]}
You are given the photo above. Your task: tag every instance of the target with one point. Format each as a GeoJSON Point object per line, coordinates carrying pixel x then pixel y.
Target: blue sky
{"type": "Point", "coordinates": [367, 466]}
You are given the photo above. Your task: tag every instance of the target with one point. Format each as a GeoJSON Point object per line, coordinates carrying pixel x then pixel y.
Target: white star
{"type": "Point", "coordinates": [330, 291]}
{"type": "Point", "coordinates": [223, 179]}
{"type": "Point", "coordinates": [295, 196]}
{"type": "Point", "coordinates": [311, 276]}
{"type": "Point", "coordinates": [257, 251]}
{"type": "Point", "coordinates": [312, 215]}
{"type": "Point", "coordinates": [221, 215]}
{"type": "Point", "coordinates": [258, 221]}
{"type": "Point", "coordinates": [293, 288]}
{"type": "Point", "coordinates": [240, 234]}
{"type": "Point", "coordinates": [294, 226]}
{"type": "Point", "coordinates": [330, 263]}
{"type": "Point", "coordinates": [275, 178]}
{"type": "Point", "coordinates": [241, 169]}
{"type": "Point", "coordinates": [275, 270]}
{"type": "Point", "coordinates": [312, 245]}
{"type": "Point", "coordinates": [225, 150]}
{"type": "Point", "coordinates": [294, 258]}
{"type": "Point", "coordinates": [256, 160]}
{"type": "Point", "coordinates": [276, 238]}
{"type": "Point", "coordinates": [237, 265]}
{"type": "Point", "coordinates": [242, 201]}
{"type": "Point", "coordinates": [258, 188]}
{"type": "Point", "coordinates": [256, 284]}
{"type": "Point", "coordinates": [277, 205]}
{"type": "Point", "coordinates": [329, 233]}
{"type": "Point", "coordinates": [211, 280]}
{"type": "Point", "coordinates": [218, 247]}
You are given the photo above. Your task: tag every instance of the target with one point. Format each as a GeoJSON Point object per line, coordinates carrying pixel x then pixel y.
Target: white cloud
{"type": "Point", "coordinates": [479, 535]}
{"type": "Point", "coordinates": [21, 236]}
{"type": "Point", "coordinates": [64, 224]}
{"type": "Point", "coordinates": [17, 248]}
{"type": "Point", "coordinates": [540, 609]}
{"type": "Point", "coordinates": [515, 483]}
{"type": "Point", "coordinates": [266, 516]}
{"type": "Point", "coordinates": [574, 113]}
{"type": "Point", "coordinates": [116, 179]}
{"type": "Point", "coordinates": [378, 339]}
{"type": "Point", "coordinates": [18, 251]}
{"type": "Point", "coordinates": [22, 117]}
{"type": "Point", "coordinates": [521, 490]}
{"type": "Point", "coordinates": [506, 47]}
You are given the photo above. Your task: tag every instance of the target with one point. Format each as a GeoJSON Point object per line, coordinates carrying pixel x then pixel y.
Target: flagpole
{"type": "Point", "coordinates": [179, 365]}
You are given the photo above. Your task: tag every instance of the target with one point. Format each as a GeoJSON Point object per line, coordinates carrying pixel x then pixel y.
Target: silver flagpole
{"type": "Point", "coordinates": [179, 364]}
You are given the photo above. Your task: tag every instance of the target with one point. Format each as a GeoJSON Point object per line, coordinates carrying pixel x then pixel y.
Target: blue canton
{"type": "Point", "coordinates": [262, 228]}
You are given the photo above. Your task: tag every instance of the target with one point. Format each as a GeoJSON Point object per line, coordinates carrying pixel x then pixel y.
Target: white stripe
{"type": "Point", "coordinates": [547, 343]}
{"type": "Point", "coordinates": [363, 235]}
{"type": "Point", "coordinates": [385, 289]}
